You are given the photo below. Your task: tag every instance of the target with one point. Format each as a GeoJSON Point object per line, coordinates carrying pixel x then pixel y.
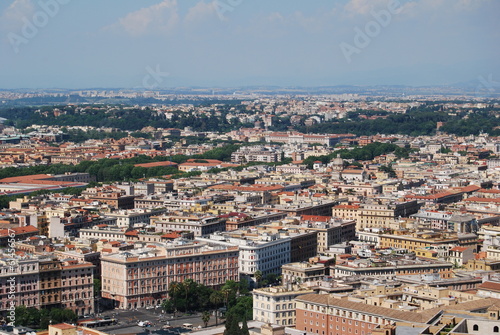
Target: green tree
{"type": "Point", "coordinates": [168, 306]}
{"type": "Point", "coordinates": [258, 277]}
{"type": "Point", "coordinates": [232, 327]}
{"type": "Point", "coordinates": [244, 328]}
{"type": "Point", "coordinates": [205, 317]}
{"type": "Point", "coordinates": [97, 288]}
{"type": "Point", "coordinates": [216, 298]}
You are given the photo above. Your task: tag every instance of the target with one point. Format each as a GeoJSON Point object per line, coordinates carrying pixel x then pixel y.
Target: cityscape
{"type": "Point", "coordinates": [204, 167]}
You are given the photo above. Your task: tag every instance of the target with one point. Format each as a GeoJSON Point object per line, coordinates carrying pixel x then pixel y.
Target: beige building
{"type": "Point", "coordinates": [302, 272]}
{"type": "Point", "coordinates": [276, 305]}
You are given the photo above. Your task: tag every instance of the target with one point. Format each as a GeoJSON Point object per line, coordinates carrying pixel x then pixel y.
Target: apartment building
{"type": "Point", "coordinates": [337, 315]}
{"type": "Point", "coordinates": [264, 252]}
{"type": "Point", "coordinates": [389, 269]}
{"type": "Point", "coordinates": [77, 287]}
{"type": "Point", "coordinates": [302, 272]}
{"type": "Point", "coordinates": [256, 154]}
{"type": "Point", "coordinates": [200, 225]}
{"type": "Point", "coordinates": [418, 240]}
{"type": "Point", "coordinates": [276, 305]}
{"type": "Point", "coordinates": [128, 218]}
{"type": "Point", "coordinates": [330, 230]}
{"type": "Point", "coordinates": [375, 214]}
{"type": "Point", "coordinates": [46, 283]}
{"type": "Point", "coordinates": [141, 277]}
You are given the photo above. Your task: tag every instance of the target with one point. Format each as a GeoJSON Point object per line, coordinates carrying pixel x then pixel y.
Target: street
{"type": "Point", "coordinates": [127, 321]}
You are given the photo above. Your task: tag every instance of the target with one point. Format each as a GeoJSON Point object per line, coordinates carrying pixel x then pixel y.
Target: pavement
{"type": "Point", "coordinates": [127, 321]}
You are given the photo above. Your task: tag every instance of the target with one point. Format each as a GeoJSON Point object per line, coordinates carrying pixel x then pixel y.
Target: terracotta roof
{"type": "Point", "coordinates": [470, 188]}
{"type": "Point", "coordinates": [132, 233]}
{"type": "Point", "coordinates": [490, 286]}
{"type": "Point", "coordinates": [154, 164]}
{"type": "Point", "coordinates": [18, 230]}
{"type": "Point", "coordinates": [461, 249]}
{"type": "Point", "coordinates": [414, 317]}
{"type": "Point", "coordinates": [353, 171]}
{"type": "Point", "coordinates": [316, 218]}
{"type": "Point", "coordinates": [347, 206]}
{"type": "Point", "coordinates": [63, 326]}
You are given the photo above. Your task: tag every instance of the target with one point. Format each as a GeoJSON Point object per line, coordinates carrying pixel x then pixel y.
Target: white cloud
{"type": "Point", "coordinates": [159, 18]}
{"type": "Point", "coordinates": [200, 12]}
{"type": "Point", "coordinates": [12, 17]}
{"type": "Point", "coordinates": [364, 7]}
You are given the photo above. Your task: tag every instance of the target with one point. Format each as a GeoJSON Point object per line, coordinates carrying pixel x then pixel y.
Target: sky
{"type": "Point", "coordinates": [150, 44]}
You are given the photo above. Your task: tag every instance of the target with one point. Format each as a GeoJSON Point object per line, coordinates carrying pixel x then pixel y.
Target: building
{"type": "Point", "coordinates": [265, 252]}
{"type": "Point", "coordinates": [424, 239]}
{"type": "Point", "coordinates": [67, 329]}
{"type": "Point", "coordinates": [141, 277]}
{"type": "Point", "coordinates": [392, 268]}
{"type": "Point", "coordinates": [276, 305]}
{"type": "Point", "coordinates": [302, 272]}
{"type": "Point", "coordinates": [128, 218]}
{"type": "Point", "coordinates": [16, 234]}
{"type": "Point", "coordinates": [337, 315]}
{"type": "Point", "coordinates": [47, 283]}
{"type": "Point", "coordinates": [200, 225]}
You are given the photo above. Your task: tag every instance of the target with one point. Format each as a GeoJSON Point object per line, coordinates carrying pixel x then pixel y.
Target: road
{"type": "Point", "coordinates": [128, 320]}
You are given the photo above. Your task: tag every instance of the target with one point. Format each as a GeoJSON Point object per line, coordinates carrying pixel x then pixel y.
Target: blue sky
{"type": "Point", "coordinates": [117, 43]}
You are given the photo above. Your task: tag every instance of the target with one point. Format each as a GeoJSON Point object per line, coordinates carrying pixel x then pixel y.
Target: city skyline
{"type": "Point", "coordinates": [163, 44]}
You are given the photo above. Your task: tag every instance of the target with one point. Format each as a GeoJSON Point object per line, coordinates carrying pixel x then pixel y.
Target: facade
{"type": "Point", "coordinates": [199, 225]}
{"type": "Point", "coordinates": [128, 218]}
{"type": "Point", "coordinates": [276, 305]}
{"type": "Point", "coordinates": [77, 287]}
{"type": "Point", "coordinates": [141, 277]}
{"type": "Point", "coordinates": [401, 268]}
{"type": "Point", "coordinates": [302, 272]}
{"type": "Point", "coordinates": [47, 283]}
{"type": "Point", "coordinates": [413, 241]}
{"type": "Point", "coordinates": [263, 252]}
{"type": "Point", "coordinates": [333, 315]}
{"type": "Point", "coordinates": [333, 231]}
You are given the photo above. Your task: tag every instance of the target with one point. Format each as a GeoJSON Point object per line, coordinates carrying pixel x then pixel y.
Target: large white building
{"type": "Point", "coordinates": [265, 253]}
{"type": "Point", "coordinates": [128, 218]}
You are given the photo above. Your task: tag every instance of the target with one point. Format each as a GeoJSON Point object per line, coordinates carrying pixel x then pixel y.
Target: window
{"type": "Point", "coordinates": [475, 327]}
{"type": "Point", "coordinates": [495, 329]}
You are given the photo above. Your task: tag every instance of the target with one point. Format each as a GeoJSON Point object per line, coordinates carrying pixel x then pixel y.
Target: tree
{"type": "Point", "coordinates": [232, 327]}
{"type": "Point", "coordinates": [174, 289]}
{"type": "Point", "coordinates": [168, 306]}
{"type": "Point", "coordinates": [205, 317]}
{"type": "Point", "coordinates": [97, 288]}
{"type": "Point", "coordinates": [244, 328]}
{"type": "Point", "coordinates": [189, 287]}
{"type": "Point", "coordinates": [258, 277]}
{"type": "Point", "coordinates": [216, 298]}
{"type": "Point", "coordinates": [243, 308]}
